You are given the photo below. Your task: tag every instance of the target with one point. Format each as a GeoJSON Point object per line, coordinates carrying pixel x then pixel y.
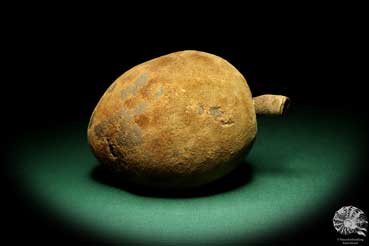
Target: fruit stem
{"type": "Point", "coordinates": [271, 104]}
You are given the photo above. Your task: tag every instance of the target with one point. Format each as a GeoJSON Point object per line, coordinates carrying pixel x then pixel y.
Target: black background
{"type": "Point", "coordinates": [59, 62]}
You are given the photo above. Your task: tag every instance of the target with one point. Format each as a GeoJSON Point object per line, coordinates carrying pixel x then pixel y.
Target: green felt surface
{"type": "Point", "coordinates": [297, 165]}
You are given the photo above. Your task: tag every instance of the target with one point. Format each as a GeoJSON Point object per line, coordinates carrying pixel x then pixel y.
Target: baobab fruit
{"type": "Point", "coordinates": [178, 121]}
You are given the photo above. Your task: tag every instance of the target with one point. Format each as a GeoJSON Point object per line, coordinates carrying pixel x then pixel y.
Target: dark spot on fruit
{"type": "Point", "coordinates": [129, 103]}
{"type": "Point", "coordinates": [148, 89]}
{"type": "Point", "coordinates": [215, 111]}
{"type": "Point", "coordinates": [112, 148]}
{"type": "Point", "coordinates": [100, 130]}
{"type": "Point", "coordinates": [142, 120]}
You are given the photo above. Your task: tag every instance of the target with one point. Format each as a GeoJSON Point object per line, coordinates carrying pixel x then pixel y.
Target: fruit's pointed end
{"type": "Point", "coordinates": [271, 104]}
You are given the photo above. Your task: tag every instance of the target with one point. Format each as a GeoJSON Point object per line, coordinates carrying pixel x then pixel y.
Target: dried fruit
{"type": "Point", "coordinates": [177, 121]}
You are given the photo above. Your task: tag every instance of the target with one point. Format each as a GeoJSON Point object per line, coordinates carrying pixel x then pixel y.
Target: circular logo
{"type": "Point", "coordinates": [348, 220]}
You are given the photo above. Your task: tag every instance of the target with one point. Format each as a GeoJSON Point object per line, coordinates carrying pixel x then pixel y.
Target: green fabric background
{"type": "Point", "coordinates": [298, 164]}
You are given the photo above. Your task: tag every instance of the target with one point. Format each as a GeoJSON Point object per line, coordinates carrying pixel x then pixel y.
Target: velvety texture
{"type": "Point", "coordinates": [177, 121]}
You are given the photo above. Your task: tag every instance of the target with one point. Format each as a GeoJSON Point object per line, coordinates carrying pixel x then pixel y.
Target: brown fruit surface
{"type": "Point", "coordinates": [177, 121]}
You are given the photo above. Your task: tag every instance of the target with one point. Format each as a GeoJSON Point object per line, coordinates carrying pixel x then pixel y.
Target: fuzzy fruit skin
{"type": "Point", "coordinates": [178, 121]}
